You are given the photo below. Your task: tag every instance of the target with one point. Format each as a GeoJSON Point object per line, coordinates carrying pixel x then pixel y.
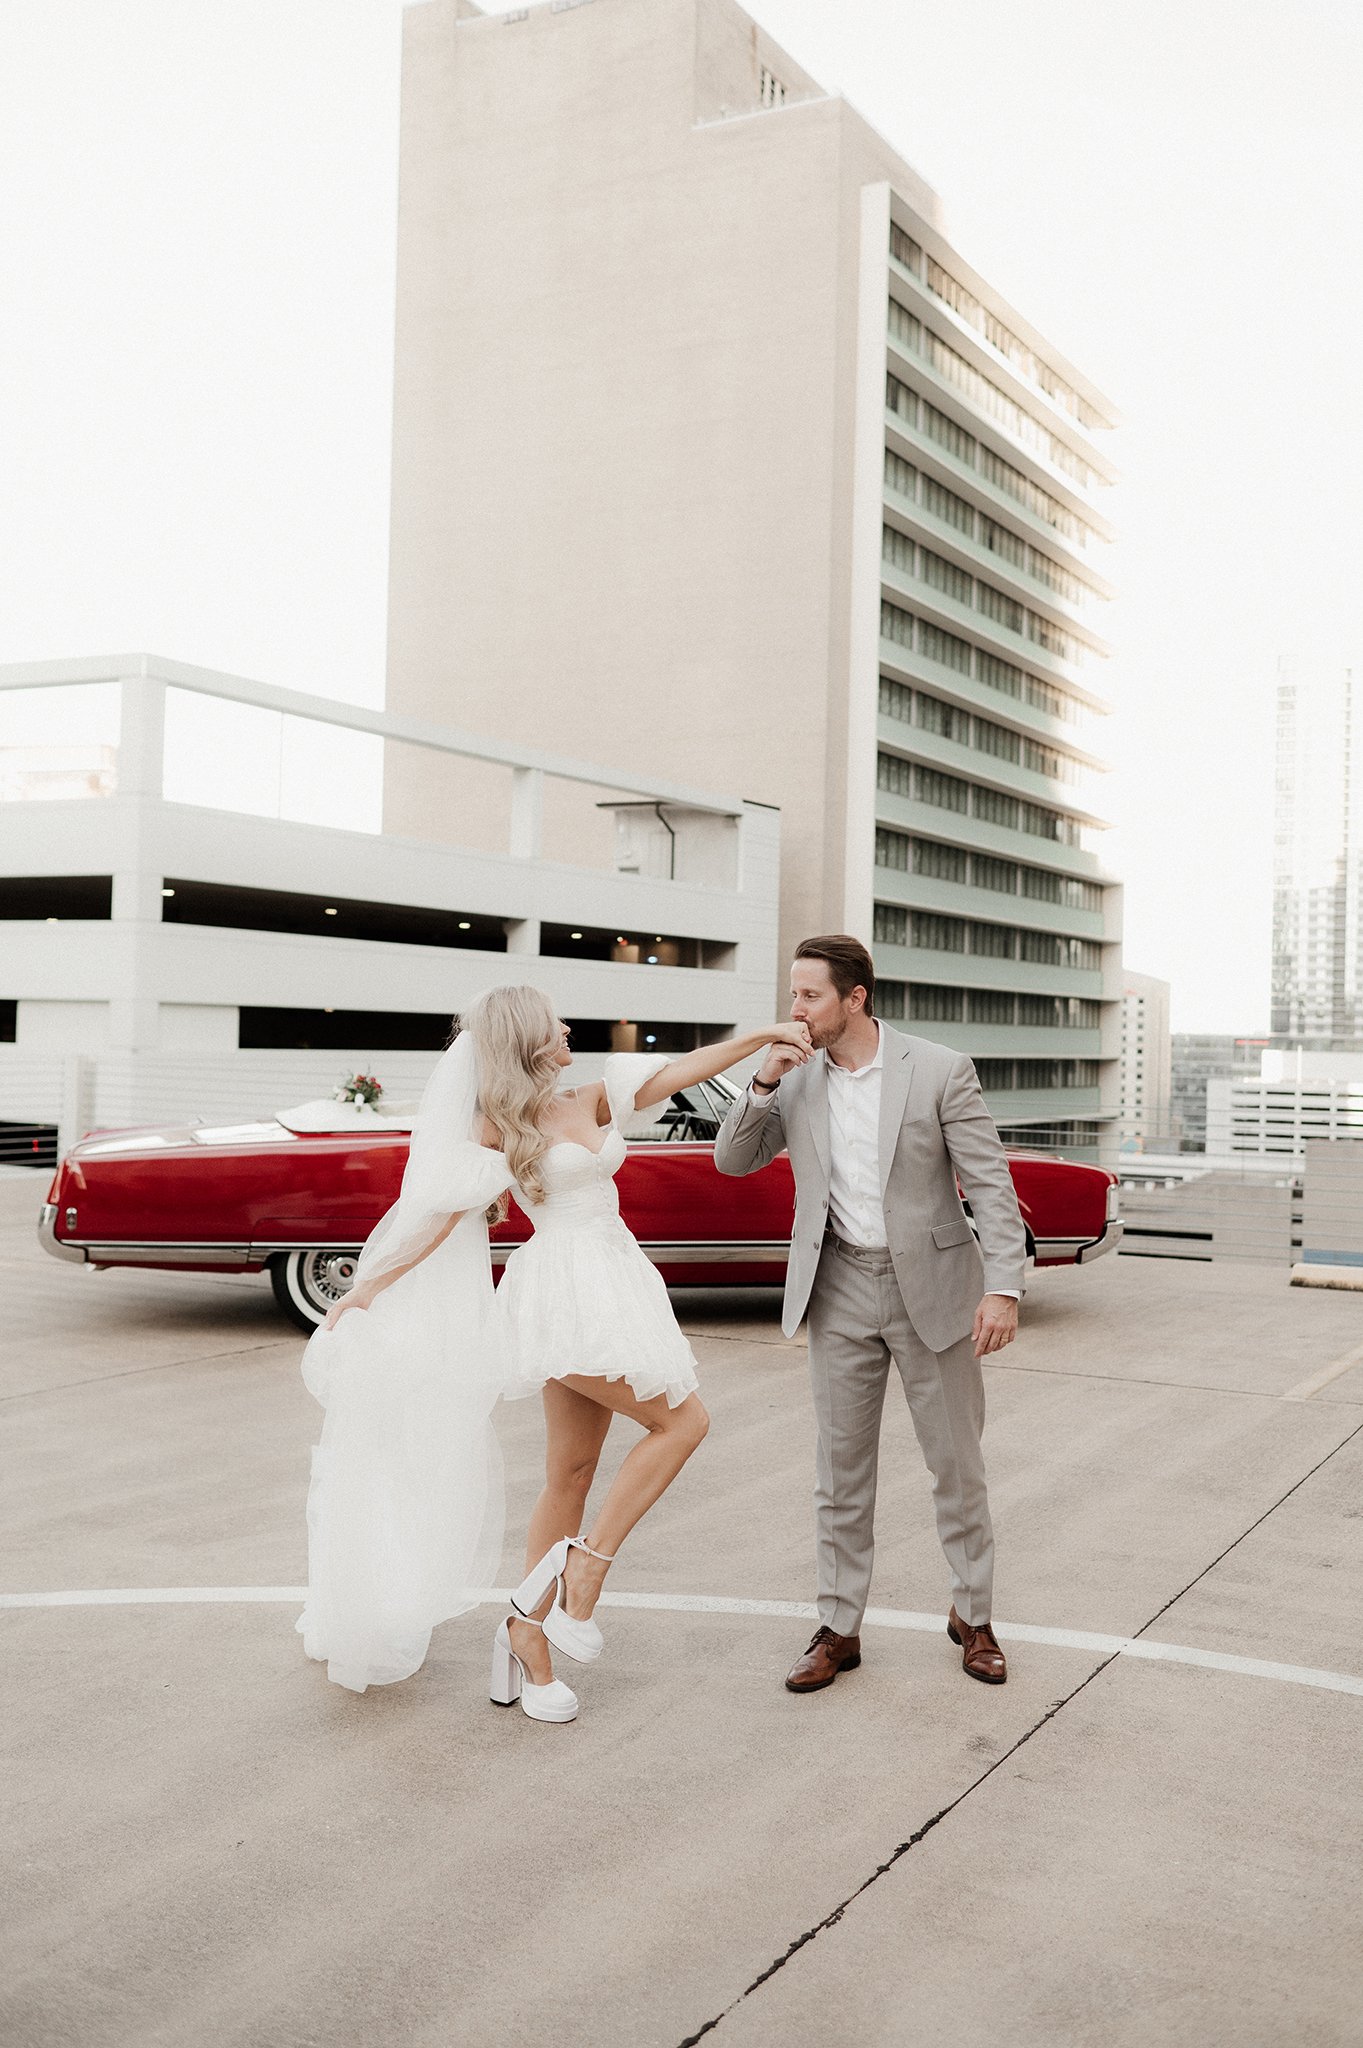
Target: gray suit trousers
{"type": "Point", "coordinates": [857, 1324]}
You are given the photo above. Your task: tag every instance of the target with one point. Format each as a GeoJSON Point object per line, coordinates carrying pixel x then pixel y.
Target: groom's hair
{"type": "Point", "coordinates": [849, 964]}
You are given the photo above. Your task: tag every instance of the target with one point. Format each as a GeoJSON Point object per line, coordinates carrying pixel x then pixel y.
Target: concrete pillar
{"type": "Point", "coordinates": [527, 814]}
{"type": "Point", "coordinates": [141, 736]}
{"type": "Point", "coordinates": [134, 1016]}
{"type": "Point", "coordinates": [78, 1101]}
{"type": "Point", "coordinates": [522, 935]}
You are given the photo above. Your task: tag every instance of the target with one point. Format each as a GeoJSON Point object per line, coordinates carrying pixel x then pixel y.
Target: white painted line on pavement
{"type": "Point", "coordinates": [158, 1596]}
{"type": "Point", "coordinates": [712, 1603]}
{"type": "Point", "coordinates": [1336, 1370]}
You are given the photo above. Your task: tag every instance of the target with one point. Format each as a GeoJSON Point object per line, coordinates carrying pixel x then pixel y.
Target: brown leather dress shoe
{"type": "Point", "coordinates": [826, 1656]}
{"type": "Point", "coordinates": [981, 1656]}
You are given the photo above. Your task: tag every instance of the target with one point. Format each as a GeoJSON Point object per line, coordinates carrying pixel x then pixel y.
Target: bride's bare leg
{"type": "Point", "coordinates": [670, 1436]}
{"type": "Point", "coordinates": [575, 1430]}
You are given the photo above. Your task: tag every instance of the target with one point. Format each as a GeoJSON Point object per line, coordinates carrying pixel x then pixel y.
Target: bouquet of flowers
{"type": "Point", "coordinates": [359, 1088]}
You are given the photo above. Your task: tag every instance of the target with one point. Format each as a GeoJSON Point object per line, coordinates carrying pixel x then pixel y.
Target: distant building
{"type": "Point", "coordinates": [1297, 1096]}
{"type": "Point", "coordinates": [713, 456]}
{"type": "Point", "coordinates": [1145, 1066]}
{"type": "Point", "coordinates": [1197, 1057]}
{"type": "Point", "coordinates": [1318, 856]}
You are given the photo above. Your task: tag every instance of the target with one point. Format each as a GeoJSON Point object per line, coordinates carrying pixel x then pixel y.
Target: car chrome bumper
{"type": "Point", "coordinates": [49, 1240]}
{"type": "Point", "coordinates": [1108, 1242]}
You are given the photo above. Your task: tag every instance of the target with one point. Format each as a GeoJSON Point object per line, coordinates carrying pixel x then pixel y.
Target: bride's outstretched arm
{"type": "Point", "coordinates": [710, 1060]}
{"type": "Point", "coordinates": [362, 1295]}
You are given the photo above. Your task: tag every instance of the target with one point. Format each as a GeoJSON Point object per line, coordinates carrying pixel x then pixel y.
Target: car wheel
{"type": "Point", "coordinates": [308, 1283]}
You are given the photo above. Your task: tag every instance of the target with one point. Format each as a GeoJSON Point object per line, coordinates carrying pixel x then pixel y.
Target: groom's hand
{"type": "Point", "coordinates": [783, 1055]}
{"type": "Point", "coordinates": [996, 1324]}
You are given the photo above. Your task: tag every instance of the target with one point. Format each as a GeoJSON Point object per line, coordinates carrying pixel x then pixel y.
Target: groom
{"type": "Point", "coordinates": [879, 1128]}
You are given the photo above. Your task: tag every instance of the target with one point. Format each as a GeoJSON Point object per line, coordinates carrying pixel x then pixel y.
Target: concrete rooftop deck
{"type": "Point", "coordinates": [208, 1843]}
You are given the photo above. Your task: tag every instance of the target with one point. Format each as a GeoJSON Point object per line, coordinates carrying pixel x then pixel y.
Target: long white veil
{"type": "Point", "coordinates": [406, 1504]}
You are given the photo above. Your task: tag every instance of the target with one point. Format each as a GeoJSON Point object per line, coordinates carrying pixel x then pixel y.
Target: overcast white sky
{"type": "Point", "coordinates": [195, 364]}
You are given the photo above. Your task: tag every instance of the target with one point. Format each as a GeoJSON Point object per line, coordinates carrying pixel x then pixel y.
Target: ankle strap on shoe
{"type": "Point", "coordinates": [581, 1543]}
{"type": "Point", "coordinates": [528, 1619]}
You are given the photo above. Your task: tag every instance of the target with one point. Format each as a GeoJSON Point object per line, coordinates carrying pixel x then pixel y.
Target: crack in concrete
{"type": "Point", "coordinates": [918, 1835]}
{"type": "Point", "coordinates": [1115, 1379]}
{"type": "Point", "coordinates": [1056, 1707]}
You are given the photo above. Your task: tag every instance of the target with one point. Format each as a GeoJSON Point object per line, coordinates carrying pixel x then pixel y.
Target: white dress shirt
{"type": "Point", "coordinates": [856, 1209]}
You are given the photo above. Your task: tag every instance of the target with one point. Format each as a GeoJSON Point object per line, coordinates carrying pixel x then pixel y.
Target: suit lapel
{"type": "Point", "coordinates": [894, 1094]}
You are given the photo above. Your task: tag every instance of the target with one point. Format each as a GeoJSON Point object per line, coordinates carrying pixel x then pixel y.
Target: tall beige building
{"type": "Point", "coordinates": [713, 456]}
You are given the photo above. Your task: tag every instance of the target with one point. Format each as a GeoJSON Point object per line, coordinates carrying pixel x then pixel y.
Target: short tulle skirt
{"type": "Point", "coordinates": [585, 1299]}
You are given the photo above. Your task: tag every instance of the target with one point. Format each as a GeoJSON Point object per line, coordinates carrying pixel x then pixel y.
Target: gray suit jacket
{"type": "Point", "coordinates": [933, 1127]}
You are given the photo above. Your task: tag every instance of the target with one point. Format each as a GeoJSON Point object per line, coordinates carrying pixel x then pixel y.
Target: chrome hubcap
{"type": "Point", "coordinates": [326, 1277]}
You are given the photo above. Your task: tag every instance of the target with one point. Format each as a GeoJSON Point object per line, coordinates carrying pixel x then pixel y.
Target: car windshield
{"type": "Point", "coordinates": [696, 1113]}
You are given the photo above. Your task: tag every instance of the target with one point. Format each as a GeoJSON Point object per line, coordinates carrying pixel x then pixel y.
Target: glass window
{"type": "Point", "coordinates": [938, 1005]}
{"type": "Point", "coordinates": [896, 548]}
{"type": "Point", "coordinates": [890, 999]}
{"type": "Point", "coordinates": [900, 476]}
{"type": "Point", "coordinates": [891, 925]}
{"type": "Point", "coordinates": [905, 250]}
{"type": "Point", "coordinates": [998, 809]}
{"type": "Point", "coordinates": [932, 715]}
{"type": "Point", "coordinates": [895, 774]}
{"type": "Point", "coordinates": [1046, 949]}
{"type": "Point", "coordinates": [1041, 885]}
{"type": "Point", "coordinates": [1054, 640]}
{"type": "Point", "coordinates": [997, 1074]}
{"type": "Point", "coordinates": [947, 648]}
{"type": "Point", "coordinates": [899, 399]}
{"type": "Point", "coordinates": [896, 700]}
{"type": "Point", "coordinates": [993, 941]}
{"type": "Point", "coordinates": [997, 740]}
{"type": "Point", "coordinates": [988, 873]}
{"type": "Point", "coordinates": [892, 849]}
{"type": "Point", "coordinates": [895, 624]}
{"type": "Point", "coordinates": [1000, 675]}
{"type": "Point", "coordinates": [1000, 541]}
{"type": "Point", "coordinates": [903, 326]}
{"type": "Point", "coordinates": [943, 863]}
{"type": "Point", "coordinates": [1036, 1010]}
{"type": "Point", "coordinates": [948, 435]}
{"type": "Point", "coordinates": [990, 1006]}
{"type": "Point", "coordinates": [995, 605]}
{"type": "Point", "coordinates": [1057, 579]}
{"type": "Point", "coordinates": [944, 576]}
{"type": "Point", "coordinates": [1045, 761]}
{"type": "Point", "coordinates": [947, 506]}
{"type": "Point", "coordinates": [948, 792]}
{"type": "Point", "coordinates": [1041, 823]}
{"type": "Point", "coordinates": [938, 934]}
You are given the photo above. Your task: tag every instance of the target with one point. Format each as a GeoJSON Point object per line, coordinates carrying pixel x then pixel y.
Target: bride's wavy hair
{"type": "Point", "coordinates": [516, 1033]}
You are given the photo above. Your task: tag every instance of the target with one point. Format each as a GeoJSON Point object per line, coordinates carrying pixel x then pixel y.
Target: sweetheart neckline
{"type": "Point", "coordinates": [577, 1146]}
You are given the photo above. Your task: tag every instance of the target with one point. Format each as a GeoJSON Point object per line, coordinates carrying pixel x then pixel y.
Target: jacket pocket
{"type": "Point", "coordinates": [947, 1234]}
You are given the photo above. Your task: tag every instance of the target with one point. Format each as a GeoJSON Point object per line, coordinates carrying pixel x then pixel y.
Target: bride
{"type": "Point", "coordinates": [405, 1509]}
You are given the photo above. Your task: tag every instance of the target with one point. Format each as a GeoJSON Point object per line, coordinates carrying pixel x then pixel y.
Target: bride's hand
{"type": "Point", "coordinates": [792, 1034]}
{"type": "Point", "coordinates": [338, 1308]}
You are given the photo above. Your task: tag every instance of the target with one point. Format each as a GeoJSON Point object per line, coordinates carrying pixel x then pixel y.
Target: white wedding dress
{"type": "Point", "coordinates": [406, 1505]}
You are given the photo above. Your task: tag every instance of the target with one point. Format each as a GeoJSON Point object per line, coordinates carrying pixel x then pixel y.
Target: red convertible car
{"type": "Point", "coordinates": [298, 1195]}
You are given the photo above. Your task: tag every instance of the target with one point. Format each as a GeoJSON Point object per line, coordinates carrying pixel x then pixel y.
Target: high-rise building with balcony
{"type": "Point", "coordinates": [711, 452]}
{"type": "Point", "coordinates": [1318, 855]}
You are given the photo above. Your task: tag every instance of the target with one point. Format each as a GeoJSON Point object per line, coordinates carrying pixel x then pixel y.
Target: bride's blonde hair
{"type": "Point", "coordinates": [516, 1033]}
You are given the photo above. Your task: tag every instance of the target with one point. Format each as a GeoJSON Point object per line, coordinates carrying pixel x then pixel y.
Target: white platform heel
{"type": "Point", "coordinates": [579, 1639]}
{"type": "Point", "coordinates": [511, 1682]}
